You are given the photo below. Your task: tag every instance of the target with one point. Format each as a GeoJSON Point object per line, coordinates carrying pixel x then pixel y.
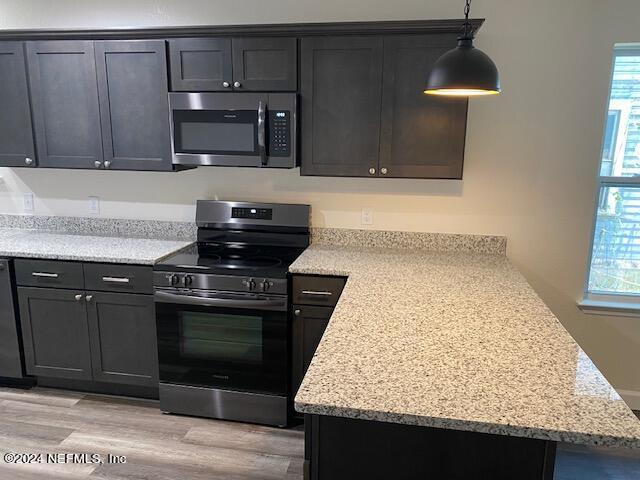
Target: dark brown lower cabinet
{"type": "Point", "coordinates": [309, 324]}
{"type": "Point", "coordinates": [335, 450]}
{"type": "Point", "coordinates": [55, 333]}
{"type": "Point", "coordinates": [97, 336]}
{"type": "Point", "coordinates": [122, 329]}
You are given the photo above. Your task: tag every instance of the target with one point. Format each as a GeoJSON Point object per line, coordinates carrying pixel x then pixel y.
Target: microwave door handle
{"type": "Point", "coordinates": [262, 142]}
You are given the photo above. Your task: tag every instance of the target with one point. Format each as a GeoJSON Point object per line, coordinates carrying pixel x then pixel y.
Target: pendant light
{"type": "Point", "coordinates": [464, 71]}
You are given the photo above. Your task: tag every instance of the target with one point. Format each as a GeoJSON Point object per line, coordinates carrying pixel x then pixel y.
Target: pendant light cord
{"type": "Point", "coordinates": [467, 25]}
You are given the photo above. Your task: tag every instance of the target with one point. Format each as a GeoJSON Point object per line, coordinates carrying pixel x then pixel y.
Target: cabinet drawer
{"type": "Point", "coordinates": [118, 278]}
{"type": "Point", "coordinates": [49, 273]}
{"type": "Point", "coordinates": [317, 290]}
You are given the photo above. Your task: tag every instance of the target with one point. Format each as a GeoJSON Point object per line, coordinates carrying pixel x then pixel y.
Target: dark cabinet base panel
{"type": "Point", "coordinates": [99, 387]}
{"type": "Point", "coordinates": [342, 448]}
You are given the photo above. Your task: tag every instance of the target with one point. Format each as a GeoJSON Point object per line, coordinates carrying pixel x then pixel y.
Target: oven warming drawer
{"type": "Point", "coordinates": [224, 404]}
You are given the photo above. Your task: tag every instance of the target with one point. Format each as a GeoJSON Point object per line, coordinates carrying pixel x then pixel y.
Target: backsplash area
{"type": "Point", "coordinates": [115, 227]}
{"type": "Point", "coordinates": [119, 227]}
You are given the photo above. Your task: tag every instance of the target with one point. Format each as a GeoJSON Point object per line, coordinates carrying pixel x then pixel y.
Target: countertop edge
{"type": "Point", "coordinates": [588, 439]}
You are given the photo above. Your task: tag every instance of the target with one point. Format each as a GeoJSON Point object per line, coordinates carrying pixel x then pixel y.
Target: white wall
{"type": "Point", "coordinates": [532, 153]}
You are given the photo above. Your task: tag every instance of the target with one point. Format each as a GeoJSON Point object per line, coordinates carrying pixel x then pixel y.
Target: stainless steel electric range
{"type": "Point", "coordinates": [222, 313]}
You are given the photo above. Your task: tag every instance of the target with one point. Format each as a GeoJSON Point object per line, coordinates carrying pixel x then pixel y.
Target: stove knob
{"type": "Point", "coordinates": [174, 279]}
{"type": "Point", "coordinates": [187, 281]}
{"type": "Point", "coordinates": [249, 283]}
{"type": "Point", "coordinates": [265, 285]}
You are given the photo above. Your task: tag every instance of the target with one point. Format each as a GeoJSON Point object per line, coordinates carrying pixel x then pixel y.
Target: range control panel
{"type": "Point", "coordinates": [255, 213]}
{"type": "Point", "coordinates": [279, 133]}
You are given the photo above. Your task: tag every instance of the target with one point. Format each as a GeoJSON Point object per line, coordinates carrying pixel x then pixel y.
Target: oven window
{"type": "Point", "coordinates": [215, 132]}
{"type": "Point", "coordinates": [232, 348]}
{"type": "Point", "coordinates": [221, 338]}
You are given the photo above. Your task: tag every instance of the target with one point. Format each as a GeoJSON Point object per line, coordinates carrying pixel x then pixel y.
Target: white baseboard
{"type": "Point", "coordinates": [631, 397]}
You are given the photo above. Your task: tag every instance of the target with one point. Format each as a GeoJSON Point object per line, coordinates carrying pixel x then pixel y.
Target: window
{"type": "Point", "coordinates": [614, 273]}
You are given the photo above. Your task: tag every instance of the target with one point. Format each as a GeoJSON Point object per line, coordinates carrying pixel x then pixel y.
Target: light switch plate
{"type": "Point", "coordinates": [94, 205]}
{"type": "Point", "coordinates": [27, 201]}
{"type": "Point", "coordinates": [367, 216]}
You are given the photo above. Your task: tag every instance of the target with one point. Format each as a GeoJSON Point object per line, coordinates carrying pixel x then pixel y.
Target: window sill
{"type": "Point", "coordinates": [612, 308]}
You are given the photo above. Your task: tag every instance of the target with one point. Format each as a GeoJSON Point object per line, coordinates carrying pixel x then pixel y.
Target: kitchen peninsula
{"type": "Point", "coordinates": [447, 363]}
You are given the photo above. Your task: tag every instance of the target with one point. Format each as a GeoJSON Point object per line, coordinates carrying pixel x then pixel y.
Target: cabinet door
{"type": "Point", "coordinates": [422, 136]}
{"type": "Point", "coordinates": [16, 135]}
{"type": "Point", "coordinates": [309, 324]}
{"type": "Point", "coordinates": [64, 96]}
{"type": "Point", "coordinates": [200, 64]}
{"type": "Point", "coordinates": [134, 105]}
{"type": "Point", "coordinates": [123, 338]}
{"type": "Point", "coordinates": [55, 333]}
{"type": "Point", "coordinates": [341, 82]}
{"type": "Point", "coordinates": [265, 64]}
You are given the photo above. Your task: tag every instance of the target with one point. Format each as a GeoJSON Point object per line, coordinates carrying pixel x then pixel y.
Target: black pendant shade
{"type": "Point", "coordinates": [464, 71]}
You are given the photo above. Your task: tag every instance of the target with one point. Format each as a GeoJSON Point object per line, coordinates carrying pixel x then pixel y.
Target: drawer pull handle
{"type": "Point", "coordinates": [44, 274]}
{"type": "Point", "coordinates": [116, 279]}
{"type": "Point", "coordinates": [314, 292]}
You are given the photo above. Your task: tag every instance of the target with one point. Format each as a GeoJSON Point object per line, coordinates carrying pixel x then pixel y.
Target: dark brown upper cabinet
{"type": "Point", "coordinates": [17, 147]}
{"type": "Point", "coordinates": [64, 97]}
{"type": "Point", "coordinates": [340, 101]}
{"type": "Point", "coordinates": [239, 64]}
{"type": "Point", "coordinates": [364, 113]}
{"type": "Point", "coordinates": [265, 64]}
{"type": "Point", "coordinates": [200, 64]}
{"type": "Point", "coordinates": [421, 136]}
{"type": "Point", "coordinates": [133, 87]}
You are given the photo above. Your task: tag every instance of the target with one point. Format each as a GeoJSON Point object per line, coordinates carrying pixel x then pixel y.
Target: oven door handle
{"type": "Point", "coordinates": [262, 135]}
{"type": "Point", "coordinates": [278, 304]}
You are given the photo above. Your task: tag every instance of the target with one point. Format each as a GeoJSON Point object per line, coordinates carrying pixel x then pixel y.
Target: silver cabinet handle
{"type": "Point", "coordinates": [372, 171]}
{"type": "Point", "coordinates": [237, 84]}
{"type": "Point", "coordinates": [116, 279]}
{"type": "Point", "coordinates": [262, 146]}
{"type": "Point", "coordinates": [28, 161]}
{"type": "Point", "coordinates": [297, 312]}
{"type": "Point", "coordinates": [78, 297]}
{"type": "Point", "coordinates": [97, 164]}
{"type": "Point", "coordinates": [226, 84]}
{"type": "Point", "coordinates": [88, 298]}
{"type": "Point", "coordinates": [314, 292]}
{"type": "Point", "coordinates": [383, 171]}
{"type": "Point", "coordinates": [107, 164]}
{"type": "Point", "coordinates": [44, 274]}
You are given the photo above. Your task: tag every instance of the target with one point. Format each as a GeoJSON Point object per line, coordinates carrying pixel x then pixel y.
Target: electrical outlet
{"type": "Point", "coordinates": [367, 216]}
{"type": "Point", "coordinates": [94, 205]}
{"type": "Point", "coordinates": [27, 200]}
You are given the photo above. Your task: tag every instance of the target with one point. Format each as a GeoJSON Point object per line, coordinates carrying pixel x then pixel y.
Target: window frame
{"type": "Point", "coordinates": [600, 302]}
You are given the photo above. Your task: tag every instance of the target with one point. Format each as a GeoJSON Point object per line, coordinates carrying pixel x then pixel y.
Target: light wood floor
{"type": "Point", "coordinates": [170, 447]}
{"type": "Point", "coordinates": [157, 446]}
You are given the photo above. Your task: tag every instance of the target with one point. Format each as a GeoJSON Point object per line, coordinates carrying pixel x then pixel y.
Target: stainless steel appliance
{"type": "Point", "coordinates": [12, 370]}
{"type": "Point", "coordinates": [222, 313]}
{"type": "Point", "coordinates": [234, 129]}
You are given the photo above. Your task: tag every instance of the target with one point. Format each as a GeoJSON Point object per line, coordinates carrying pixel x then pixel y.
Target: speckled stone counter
{"type": "Point", "coordinates": [63, 246]}
{"type": "Point", "coordinates": [454, 340]}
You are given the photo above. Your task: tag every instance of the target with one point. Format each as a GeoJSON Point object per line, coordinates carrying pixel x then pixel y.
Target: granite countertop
{"type": "Point", "coordinates": [81, 247]}
{"type": "Point", "coordinates": [454, 340]}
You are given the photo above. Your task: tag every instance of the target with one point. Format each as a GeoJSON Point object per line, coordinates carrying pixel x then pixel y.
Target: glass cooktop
{"type": "Point", "coordinates": [232, 259]}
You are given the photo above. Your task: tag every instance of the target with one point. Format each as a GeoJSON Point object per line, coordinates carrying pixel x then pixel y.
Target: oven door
{"type": "Point", "coordinates": [223, 340]}
{"type": "Point", "coordinates": [219, 129]}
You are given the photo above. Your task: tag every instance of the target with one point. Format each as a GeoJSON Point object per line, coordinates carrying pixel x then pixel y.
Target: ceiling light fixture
{"type": "Point", "coordinates": [464, 71]}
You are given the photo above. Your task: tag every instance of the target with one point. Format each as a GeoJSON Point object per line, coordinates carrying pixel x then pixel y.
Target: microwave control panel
{"type": "Point", "coordinates": [279, 133]}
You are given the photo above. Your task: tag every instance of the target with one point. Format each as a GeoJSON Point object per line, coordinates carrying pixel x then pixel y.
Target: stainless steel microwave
{"type": "Point", "coordinates": [234, 129]}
